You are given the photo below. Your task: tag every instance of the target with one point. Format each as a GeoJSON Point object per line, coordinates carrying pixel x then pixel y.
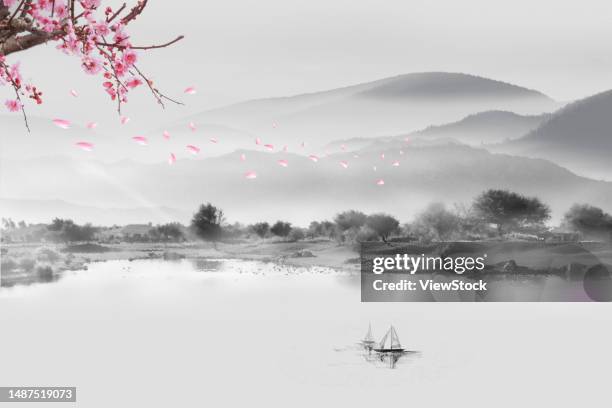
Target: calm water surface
{"type": "Point", "coordinates": [239, 333]}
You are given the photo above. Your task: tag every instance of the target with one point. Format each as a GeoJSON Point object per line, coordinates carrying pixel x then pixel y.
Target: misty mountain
{"type": "Point", "coordinates": [304, 190]}
{"type": "Point", "coordinates": [477, 129]}
{"type": "Point", "coordinates": [577, 137]}
{"type": "Point", "coordinates": [385, 107]}
{"type": "Point", "coordinates": [35, 211]}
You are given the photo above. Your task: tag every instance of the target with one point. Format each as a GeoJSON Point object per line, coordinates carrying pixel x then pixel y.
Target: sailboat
{"type": "Point", "coordinates": [390, 343]}
{"type": "Point", "coordinates": [368, 341]}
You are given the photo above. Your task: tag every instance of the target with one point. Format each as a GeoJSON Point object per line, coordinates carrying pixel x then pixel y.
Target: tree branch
{"type": "Point", "coordinates": [24, 42]}
{"type": "Point", "coordinates": [150, 47]}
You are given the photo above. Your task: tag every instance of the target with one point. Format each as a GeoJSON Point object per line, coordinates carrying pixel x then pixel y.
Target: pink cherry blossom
{"type": "Point", "coordinates": [87, 146]}
{"type": "Point", "coordinates": [314, 158]}
{"type": "Point", "coordinates": [242, 157]}
{"type": "Point", "coordinates": [283, 163]}
{"type": "Point", "coordinates": [190, 90]}
{"type": "Point", "coordinates": [250, 175]}
{"type": "Point", "coordinates": [141, 140]}
{"type": "Point", "coordinates": [192, 126]}
{"type": "Point", "coordinates": [74, 93]}
{"type": "Point", "coordinates": [12, 105]}
{"type": "Point", "coordinates": [124, 120]}
{"type": "Point", "coordinates": [344, 164]}
{"type": "Point", "coordinates": [62, 123]}
{"type": "Point", "coordinates": [257, 141]}
{"type": "Point", "coordinates": [171, 159]}
{"type": "Point", "coordinates": [269, 147]}
{"type": "Point", "coordinates": [166, 135]}
{"type": "Point", "coordinates": [193, 149]}
{"type": "Point", "coordinates": [91, 125]}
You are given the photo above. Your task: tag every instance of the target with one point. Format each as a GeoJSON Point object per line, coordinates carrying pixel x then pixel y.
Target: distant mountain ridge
{"type": "Point", "coordinates": [578, 136]}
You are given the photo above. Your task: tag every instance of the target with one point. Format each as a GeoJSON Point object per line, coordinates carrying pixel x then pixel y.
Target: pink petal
{"type": "Point", "coordinates": [91, 125]}
{"type": "Point", "coordinates": [313, 158]}
{"type": "Point", "coordinates": [283, 163]}
{"type": "Point", "coordinates": [269, 147]}
{"type": "Point", "coordinates": [190, 90]}
{"type": "Point", "coordinates": [382, 156]}
{"type": "Point", "coordinates": [257, 141]}
{"type": "Point", "coordinates": [141, 140]}
{"type": "Point", "coordinates": [166, 135]}
{"type": "Point", "coordinates": [214, 140]}
{"type": "Point", "coordinates": [242, 157]}
{"type": "Point", "coordinates": [172, 159]}
{"type": "Point", "coordinates": [285, 149]}
{"type": "Point", "coordinates": [192, 126]}
{"type": "Point", "coordinates": [124, 120]}
{"type": "Point", "coordinates": [250, 175]}
{"type": "Point", "coordinates": [74, 93]}
{"type": "Point", "coordinates": [344, 164]}
{"type": "Point", "coordinates": [193, 149]}
{"type": "Point", "coordinates": [395, 163]}
{"type": "Point", "coordinates": [88, 147]}
{"type": "Point", "coordinates": [380, 182]}
{"type": "Point", "coordinates": [62, 123]}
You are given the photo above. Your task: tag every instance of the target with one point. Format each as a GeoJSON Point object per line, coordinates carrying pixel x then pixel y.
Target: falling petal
{"type": "Point", "coordinates": [343, 147]}
{"type": "Point", "coordinates": [214, 140]}
{"type": "Point", "coordinates": [313, 158]}
{"type": "Point", "coordinates": [380, 182]}
{"type": "Point", "coordinates": [407, 140]}
{"type": "Point", "coordinates": [192, 126]}
{"type": "Point", "coordinates": [166, 135]}
{"type": "Point", "coordinates": [193, 149]}
{"type": "Point", "coordinates": [285, 148]}
{"type": "Point", "coordinates": [62, 123]}
{"type": "Point", "coordinates": [395, 163]}
{"type": "Point", "coordinates": [274, 125]}
{"type": "Point", "coordinates": [88, 147]}
{"type": "Point", "coordinates": [74, 93]}
{"type": "Point", "coordinates": [242, 157]}
{"type": "Point", "coordinates": [382, 156]}
{"type": "Point", "coordinates": [91, 125]}
{"type": "Point", "coordinates": [250, 175]}
{"type": "Point", "coordinates": [269, 147]}
{"type": "Point", "coordinates": [283, 163]}
{"type": "Point", "coordinates": [257, 141]}
{"type": "Point", "coordinates": [141, 140]}
{"type": "Point", "coordinates": [172, 159]}
{"type": "Point", "coordinates": [190, 90]}
{"type": "Point", "coordinates": [303, 145]}
{"type": "Point", "coordinates": [344, 164]}
{"type": "Point", "coordinates": [124, 120]}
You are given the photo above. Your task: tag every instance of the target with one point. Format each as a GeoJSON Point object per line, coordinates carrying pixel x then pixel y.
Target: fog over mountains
{"type": "Point", "coordinates": [452, 136]}
{"type": "Point", "coordinates": [578, 136]}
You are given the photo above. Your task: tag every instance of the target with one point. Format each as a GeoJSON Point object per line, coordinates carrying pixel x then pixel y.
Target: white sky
{"type": "Point", "coordinates": [241, 49]}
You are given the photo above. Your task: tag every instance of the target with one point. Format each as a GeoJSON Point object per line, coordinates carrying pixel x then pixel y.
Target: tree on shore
{"type": "Point", "coordinates": [511, 211]}
{"type": "Point", "coordinates": [382, 224]}
{"type": "Point", "coordinates": [589, 220]}
{"type": "Point", "coordinates": [348, 224]}
{"type": "Point", "coordinates": [207, 223]}
{"type": "Point", "coordinates": [67, 231]}
{"type": "Point", "coordinates": [436, 223]}
{"type": "Point", "coordinates": [281, 229]}
{"type": "Point", "coordinates": [261, 229]}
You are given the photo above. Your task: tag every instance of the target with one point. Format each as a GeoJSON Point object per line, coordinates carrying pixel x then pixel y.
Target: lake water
{"type": "Point", "coordinates": [228, 333]}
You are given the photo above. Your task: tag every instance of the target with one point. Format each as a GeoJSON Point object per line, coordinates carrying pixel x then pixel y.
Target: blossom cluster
{"type": "Point", "coordinates": [96, 35]}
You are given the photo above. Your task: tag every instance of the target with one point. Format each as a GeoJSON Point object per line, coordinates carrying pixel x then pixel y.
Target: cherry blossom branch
{"type": "Point", "coordinates": [149, 47]}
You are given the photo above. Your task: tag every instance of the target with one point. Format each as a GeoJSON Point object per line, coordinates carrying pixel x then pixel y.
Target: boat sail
{"type": "Point", "coordinates": [390, 342]}
{"type": "Point", "coordinates": [368, 341]}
